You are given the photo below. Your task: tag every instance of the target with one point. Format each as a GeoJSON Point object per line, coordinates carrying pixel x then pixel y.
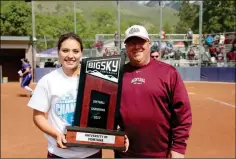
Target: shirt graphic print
{"type": "Point", "coordinates": [65, 108]}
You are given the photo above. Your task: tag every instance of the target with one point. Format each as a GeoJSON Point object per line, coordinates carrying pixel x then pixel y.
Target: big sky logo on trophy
{"type": "Point", "coordinates": [98, 102]}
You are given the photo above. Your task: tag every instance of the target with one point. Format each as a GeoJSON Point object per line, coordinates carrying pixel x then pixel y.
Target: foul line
{"type": "Point", "coordinates": [194, 82]}
{"type": "Point", "coordinates": [191, 87]}
{"type": "Point", "coordinates": [210, 82]}
{"type": "Point", "coordinates": [221, 102]}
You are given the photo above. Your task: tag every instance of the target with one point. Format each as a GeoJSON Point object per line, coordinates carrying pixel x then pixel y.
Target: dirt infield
{"type": "Point", "coordinates": [212, 134]}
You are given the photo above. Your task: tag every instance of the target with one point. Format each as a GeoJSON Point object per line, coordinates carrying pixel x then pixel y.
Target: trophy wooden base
{"type": "Point", "coordinates": [95, 138]}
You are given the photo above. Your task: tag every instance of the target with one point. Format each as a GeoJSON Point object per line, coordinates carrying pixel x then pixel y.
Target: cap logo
{"type": "Point", "coordinates": [134, 30]}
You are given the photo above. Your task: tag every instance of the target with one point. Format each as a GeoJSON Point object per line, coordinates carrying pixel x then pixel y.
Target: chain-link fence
{"type": "Point", "coordinates": [185, 52]}
{"type": "Point", "coordinates": [179, 55]}
{"type": "Point", "coordinates": [47, 49]}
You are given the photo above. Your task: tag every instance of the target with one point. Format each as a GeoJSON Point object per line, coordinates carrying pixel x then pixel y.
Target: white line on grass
{"type": "Point", "coordinates": [221, 102]}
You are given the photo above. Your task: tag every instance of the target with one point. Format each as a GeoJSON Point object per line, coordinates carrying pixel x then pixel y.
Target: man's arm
{"type": "Point", "coordinates": [182, 115]}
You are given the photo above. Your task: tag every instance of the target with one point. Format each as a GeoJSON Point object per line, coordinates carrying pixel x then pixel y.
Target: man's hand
{"type": "Point", "coordinates": [173, 154]}
{"type": "Point", "coordinates": [126, 143]}
{"type": "Point", "coordinates": [126, 140]}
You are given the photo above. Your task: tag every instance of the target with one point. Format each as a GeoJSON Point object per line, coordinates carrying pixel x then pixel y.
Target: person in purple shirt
{"type": "Point", "coordinates": [155, 108]}
{"type": "Point", "coordinates": [26, 75]}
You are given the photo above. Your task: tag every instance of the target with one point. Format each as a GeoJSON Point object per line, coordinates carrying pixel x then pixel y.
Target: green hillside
{"type": "Point", "coordinates": [53, 18]}
{"type": "Point", "coordinates": [131, 11]}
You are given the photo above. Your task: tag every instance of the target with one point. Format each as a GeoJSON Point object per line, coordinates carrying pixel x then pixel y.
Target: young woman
{"type": "Point", "coordinates": [55, 95]}
{"type": "Point", "coordinates": [26, 75]}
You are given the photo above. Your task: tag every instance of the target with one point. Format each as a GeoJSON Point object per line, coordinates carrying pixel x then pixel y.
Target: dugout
{"type": "Point", "coordinates": [13, 48]}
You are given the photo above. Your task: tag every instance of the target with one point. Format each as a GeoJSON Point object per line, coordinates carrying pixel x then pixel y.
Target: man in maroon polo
{"type": "Point", "coordinates": [155, 108]}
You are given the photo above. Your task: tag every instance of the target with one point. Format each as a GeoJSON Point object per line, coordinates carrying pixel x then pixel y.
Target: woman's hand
{"type": "Point", "coordinates": [42, 123]}
{"type": "Point", "coordinates": [61, 140]}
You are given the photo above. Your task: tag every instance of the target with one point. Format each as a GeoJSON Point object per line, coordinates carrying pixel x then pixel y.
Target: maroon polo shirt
{"type": "Point", "coordinates": [155, 110]}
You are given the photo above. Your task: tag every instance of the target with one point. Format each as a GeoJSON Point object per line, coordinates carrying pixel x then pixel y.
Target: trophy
{"type": "Point", "coordinates": [97, 112]}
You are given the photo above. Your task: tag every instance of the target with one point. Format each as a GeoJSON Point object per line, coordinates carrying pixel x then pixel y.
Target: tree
{"type": "Point", "coordinates": [187, 15]}
{"type": "Point", "coordinates": [15, 18]}
{"type": "Point", "coordinates": [168, 28]}
{"type": "Point", "coordinates": [82, 27]}
{"type": "Point", "coordinates": [218, 16]}
{"type": "Point", "coordinates": [47, 27]}
{"type": "Point", "coordinates": [103, 22]}
{"type": "Point", "coordinates": [51, 26]}
{"type": "Point", "coordinates": [125, 25]}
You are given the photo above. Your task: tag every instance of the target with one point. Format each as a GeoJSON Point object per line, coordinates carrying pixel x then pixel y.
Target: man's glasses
{"type": "Point", "coordinates": [155, 56]}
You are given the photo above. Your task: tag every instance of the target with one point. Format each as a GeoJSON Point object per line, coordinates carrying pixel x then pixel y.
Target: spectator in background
{"type": "Point", "coordinates": [233, 49]}
{"type": "Point", "coordinates": [212, 51]}
{"type": "Point", "coordinates": [209, 40]}
{"type": "Point", "coordinates": [169, 45]}
{"type": "Point", "coordinates": [216, 40]}
{"type": "Point", "coordinates": [155, 52]}
{"type": "Point", "coordinates": [162, 48]}
{"type": "Point", "coordinates": [106, 52]}
{"type": "Point", "coordinates": [190, 36]}
{"type": "Point", "coordinates": [114, 53]}
{"type": "Point", "coordinates": [219, 56]}
{"type": "Point", "coordinates": [222, 39]}
{"type": "Point", "coordinates": [163, 34]}
{"type": "Point", "coordinates": [48, 63]}
{"type": "Point", "coordinates": [123, 51]}
{"type": "Point", "coordinates": [116, 39]}
{"type": "Point", "coordinates": [177, 55]}
{"type": "Point", "coordinates": [191, 54]}
{"type": "Point", "coordinates": [203, 38]}
{"type": "Point", "coordinates": [57, 64]}
{"type": "Point", "coordinates": [231, 56]}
